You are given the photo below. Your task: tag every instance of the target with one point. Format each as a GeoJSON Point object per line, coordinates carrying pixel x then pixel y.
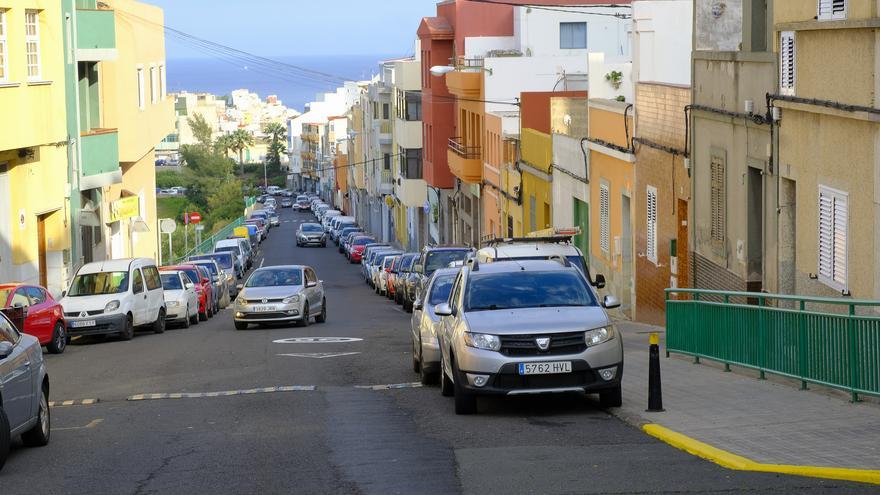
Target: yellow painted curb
{"type": "Point", "coordinates": [733, 461]}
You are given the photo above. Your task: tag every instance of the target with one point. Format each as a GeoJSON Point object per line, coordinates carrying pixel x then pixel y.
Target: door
{"type": "Point", "coordinates": [140, 303]}
{"type": "Point", "coordinates": [40, 315]}
{"type": "Point", "coordinates": [313, 294]}
{"type": "Point", "coordinates": [582, 220]}
{"type": "Point", "coordinates": [626, 256]}
{"type": "Point", "coordinates": [155, 295]}
{"type": "Point", "coordinates": [41, 248]}
{"type": "Point", "coordinates": [682, 245]}
{"type": "Point", "coordinates": [15, 376]}
{"type": "Point", "coordinates": [5, 225]}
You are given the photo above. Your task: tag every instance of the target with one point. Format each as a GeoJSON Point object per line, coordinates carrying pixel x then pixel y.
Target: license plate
{"type": "Point", "coordinates": [264, 309]}
{"type": "Point", "coordinates": [83, 323]}
{"type": "Point", "coordinates": [550, 368]}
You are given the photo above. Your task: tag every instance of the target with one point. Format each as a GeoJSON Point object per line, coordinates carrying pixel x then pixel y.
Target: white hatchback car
{"type": "Point", "coordinates": [181, 298]}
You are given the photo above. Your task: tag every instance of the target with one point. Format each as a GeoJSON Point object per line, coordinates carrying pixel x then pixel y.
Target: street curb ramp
{"type": "Point", "coordinates": [739, 463]}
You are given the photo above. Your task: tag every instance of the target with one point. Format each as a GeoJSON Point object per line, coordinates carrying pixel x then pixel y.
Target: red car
{"type": "Point", "coordinates": [44, 316]}
{"type": "Point", "coordinates": [358, 244]}
{"type": "Point", "coordinates": [204, 288]}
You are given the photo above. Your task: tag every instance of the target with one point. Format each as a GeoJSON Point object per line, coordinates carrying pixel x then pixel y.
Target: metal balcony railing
{"type": "Point", "coordinates": [462, 150]}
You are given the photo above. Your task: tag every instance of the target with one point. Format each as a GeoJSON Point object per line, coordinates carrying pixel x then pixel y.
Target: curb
{"type": "Point", "coordinates": [78, 402]}
{"type": "Point", "coordinates": [739, 463]}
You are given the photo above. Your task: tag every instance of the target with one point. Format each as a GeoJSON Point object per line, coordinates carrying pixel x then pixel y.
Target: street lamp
{"type": "Point", "coordinates": [441, 70]}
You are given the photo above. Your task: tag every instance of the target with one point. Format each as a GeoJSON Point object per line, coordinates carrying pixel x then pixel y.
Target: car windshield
{"type": "Point", "coordinates": [406, 263]}
{"type": "Point", "coordinates": [228, 249]}
{"type": "Point", "coordinates": [93, 284]}
{"type": "Point", "coordinates": [171, 281]}
{"type": "Point", "coordinates": [523, 289]}
{"type": "Point", "coordinates": [442, 259]}
{"type": "Point", "coordinates": [224, 260]}
{"type": "Point", "coordinates": [440, 289]}
{"type": "Point", "coordinates": [275, 277]}
{"type": "Point", "coordinates": [311, 227]}
{"type": "Point", "coordinates": [193, 274]}
{"type": "Point", "coordinates": [363, 241]}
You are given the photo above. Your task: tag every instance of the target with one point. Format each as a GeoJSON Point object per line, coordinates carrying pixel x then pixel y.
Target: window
{"type": "Point", "coordinates": [604, 218]}
{"type": "Point", "coordinates": [137, 284]}
{"type": "Point", "coordinates": [154, 86]}
{"type": "Point", "coordinates": [832, 9]}
{"type": "Point", "coordinates": [140, 88]}
{"type": "Point", "coordinates": [572, 35]}
{"type": "Point", "coordinates": [32, 44]}
{"type": "Point", "coordinates": [533, 205]}
{"type": "Point", "coordinates": [413, 163]}
{"type": "Point", "coordinates": [151, 274]}
{"type": "Point", "coordinates": [386, 111]}
{"type": "Point", "coordinates": [36, 295]}
{"type": "Point", "coordinates": [20, 299]}
{"type": "Point", "coordinates": [163, 83]}
{"type": "Point", "coordinates": [833, 237]}
{"type": "Point", "coordinates": [386, 161]}
{"type": "Point", "coordinates": [787, 63]}
{"type": "Point", "coordinates": [8, 333]}
{"type": "Point", "coordinates": [717, 199]}
{"type": "Point", "coordinates": [651, 249]}
{"type": "Point", "coordinates": [4, 69]}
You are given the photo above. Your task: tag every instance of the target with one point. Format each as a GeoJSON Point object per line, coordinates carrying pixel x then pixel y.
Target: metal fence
{"type": "Point", "coordinates": [207, 245]}
{"type": "Point", "coordinates": [832, 342]}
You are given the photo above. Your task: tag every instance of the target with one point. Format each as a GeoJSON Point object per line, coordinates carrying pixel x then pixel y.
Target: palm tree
{"type": "Point", "coordinates": [241, 140]}
{"type": "Point", "coordinates": [223, 144]}
{"type": "Point", "coordinates": [275, 133]}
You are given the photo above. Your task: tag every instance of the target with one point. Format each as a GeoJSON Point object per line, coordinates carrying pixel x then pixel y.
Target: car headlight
{"type": "Point", "coordinates": [482, 341]}
{"type": "Point", "coordinates": [598, 336]}
{"type": "Point", "coordinates": [111, 306]}
{"type": "Point", "coordinates": [172, 304]}
{"type": "Point", "coordinates": [240, 300]}
{"type": "Point", "coordinates": [291, 299]}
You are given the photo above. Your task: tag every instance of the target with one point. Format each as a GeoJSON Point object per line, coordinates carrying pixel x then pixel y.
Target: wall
{"type": "Point", "coordinates": [662, 31]}
{"type": "Point", "coordinates": [719, 25]}
{"type": "Point", "coordinates": [514, 75]}
{"type": "Point", "coordinates": [537, 30]}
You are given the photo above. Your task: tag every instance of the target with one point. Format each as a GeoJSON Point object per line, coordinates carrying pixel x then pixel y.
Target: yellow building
{"type": "Point", "coordinates": [537, 185]}
{"type": "Point", "coordinates": [612, 178]}
{"type": "Point", "coordinates": [136, 103]}
{"type": "Point", "coordinates": [33, 144]}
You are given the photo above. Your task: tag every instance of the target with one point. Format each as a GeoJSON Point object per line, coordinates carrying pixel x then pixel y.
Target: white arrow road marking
{"type": "Point", "coordinates": [317, 340]}
{"type": "Point", "coordinates": [319, 355]}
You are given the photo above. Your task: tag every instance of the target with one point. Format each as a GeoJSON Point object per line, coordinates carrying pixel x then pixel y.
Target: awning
{"type": "Point", "coordinates": [88, 215]}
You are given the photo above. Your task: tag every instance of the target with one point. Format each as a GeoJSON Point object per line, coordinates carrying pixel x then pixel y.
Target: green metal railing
{"type": "Point", "coordinates": [826, 341]}
{"type": "Point", "coordinates": [207, 245]}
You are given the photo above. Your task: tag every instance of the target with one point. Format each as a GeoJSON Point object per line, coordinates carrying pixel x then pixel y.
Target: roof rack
{"type": "Point", "coordinates": [558, 235]}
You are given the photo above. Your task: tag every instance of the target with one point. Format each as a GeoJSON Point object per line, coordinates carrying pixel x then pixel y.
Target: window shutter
{"type": "Point", "coordinates": [651, 250]}
{"type": "Point", "coordinates": [604, 220]}
{"type": "Point", "coordinates": [826, 235]}
{"type": "Point", "coordinates": [833, 233]}
{"type": "Point", "coordinates": [787, 64]}
{"type": "Point", "coordinates": [832, 9]}
{"type": "Point", "coordinates": [717, 199]}
{"type": "Point", "coordinates": [840, 231]}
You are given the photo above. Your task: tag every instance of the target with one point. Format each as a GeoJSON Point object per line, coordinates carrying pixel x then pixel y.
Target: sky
{"type": "Point", "coordinates": [298, 27]}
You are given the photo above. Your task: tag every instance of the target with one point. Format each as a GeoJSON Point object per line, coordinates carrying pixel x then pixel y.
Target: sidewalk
{"type": "Point", "coordinates": [766, 422]}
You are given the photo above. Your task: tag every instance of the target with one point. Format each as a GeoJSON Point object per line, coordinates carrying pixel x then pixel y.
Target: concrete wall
{"type": "Point", "coordinates": [514, 75]}
{"type": "Point", "coordinates": [662, 31]}
{"type": "Point", "coordinates": [537, 31]}
{"type": "Point", "coordinates": [719, 25]}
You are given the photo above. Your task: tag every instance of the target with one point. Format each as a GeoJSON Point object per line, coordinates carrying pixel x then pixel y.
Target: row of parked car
{"type": "Point", "coordinates": [518, 316]}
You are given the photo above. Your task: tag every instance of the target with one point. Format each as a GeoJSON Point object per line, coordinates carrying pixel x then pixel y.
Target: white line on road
{"type": "Point", "coordinates": [226, 393]}
{"type": "Point", "coordinates": [391, 386]}
{"type": "Point", "coordinates": [262, 261]}
{"type": "Point", "coordinates": [319, 355]}
{"type": "Point", "coordinates": [78, 402]}
{"type": "Point", "coordinates": [317, 340]}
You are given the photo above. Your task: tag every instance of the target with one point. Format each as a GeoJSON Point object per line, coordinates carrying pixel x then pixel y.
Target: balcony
{"type": "Point", "coordinates": [100, 159]}
{"type": "Point", "coordinates": [413, 193]}
{"type": "Point", "coordinates": [95, 35]}
{"type": "Point", "coordinates": [465, 162]}
{"type": "Point", "coordinates": [408, 133]}
{"type": "Point", "coordinates": [385, 130]}
{"type": "Point", "coordinates": [465, 84]}
{"type": "Point", "coordinates": [385, 183]}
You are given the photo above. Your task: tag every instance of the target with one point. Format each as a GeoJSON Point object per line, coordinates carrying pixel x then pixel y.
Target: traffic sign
{"type": "Point", "coordinates": [167, 226]}
{"type": "Point", "coordinates": [195, 217]}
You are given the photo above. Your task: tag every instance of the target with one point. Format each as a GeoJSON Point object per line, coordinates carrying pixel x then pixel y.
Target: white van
{"type": "Point", "coordinates": [327, 216]}
{"type": "Point", "coordinates": [114, 297]}
{"type": "Point", "coordinates": [238, 248]}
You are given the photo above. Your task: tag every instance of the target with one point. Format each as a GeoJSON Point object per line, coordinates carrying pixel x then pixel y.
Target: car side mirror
{"type": "Point", "coordinates": [239, 286]}
{"type": "Point", "coordinates": [599, 282]}
{"type": "Point", "coordinates": [610, 302]}
{"type": "Point", "coordinates": [311, 284]}
{"type": "Point", "coordinates": [6, 349]}
{"type": "Point", "coordinates": [190, 286]}
{"type": "Point", "coordinates": [417, 268]}
{"type": "Point", "coordinates": [443, 309]}
{"type": "Point", "coordinates": [18, 305]}
{"type": "Point", "coordinates": [64, 293]}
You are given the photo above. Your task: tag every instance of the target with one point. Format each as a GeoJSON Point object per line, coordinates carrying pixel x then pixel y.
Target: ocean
{"type": "Point", "coordinates": [221, 76]}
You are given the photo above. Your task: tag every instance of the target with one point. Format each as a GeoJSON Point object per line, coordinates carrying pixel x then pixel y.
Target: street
{"type": "Point", "coordinates": [352, 421]}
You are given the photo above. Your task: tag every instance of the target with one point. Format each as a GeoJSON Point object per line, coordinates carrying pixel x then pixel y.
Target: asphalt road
{"type": "Point", "coordinates": [331, 435]}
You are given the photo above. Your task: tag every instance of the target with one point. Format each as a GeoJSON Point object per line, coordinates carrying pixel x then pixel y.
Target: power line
{"type": "Point", "coordinates": [555, 8]}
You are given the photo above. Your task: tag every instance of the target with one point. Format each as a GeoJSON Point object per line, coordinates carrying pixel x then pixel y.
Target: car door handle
{"type": "Point", "coordinates": [27, 364]}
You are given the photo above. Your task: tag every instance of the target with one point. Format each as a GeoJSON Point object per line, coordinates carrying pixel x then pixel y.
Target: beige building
{"type": "Point", "coordinates": [827, 149]}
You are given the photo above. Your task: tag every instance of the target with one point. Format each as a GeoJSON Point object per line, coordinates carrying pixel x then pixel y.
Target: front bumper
{"type": "Point", "coordinates": [306, 241]}
{"type": "Point", "coordinates": [507, 381]}
{"type": "Point", "coordinates": [104, 324]}
{"type": "Point", "coordinates": [247, 313]}
{"type": "Point", "coordinates": [175, 314]}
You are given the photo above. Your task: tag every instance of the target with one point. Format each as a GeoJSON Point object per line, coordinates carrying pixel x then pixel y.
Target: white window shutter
{"type": "Point", "coordinates": [604, 218]}
{"type": "Point", "coordinates": [840, 235]}
{"type": "Point", "coordinates": [833, 234]}
{"type": "Point", "coordinates": [832, 10]}
{"type": "Point", "coordinates": [651, 250]}
{"type": "Point", "coordinates": [826, 235]}
{"type": "Point", "coordinates": [787, 63]}
{"type": "Point", "coordinates": [718, 200]}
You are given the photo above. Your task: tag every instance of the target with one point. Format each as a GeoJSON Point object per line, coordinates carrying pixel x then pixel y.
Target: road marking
{"type": "Point", "coordinates": [390, 386]}
{"type": "Point", "coordinates": [262, 261]}
{"type": "Point", "coordinates": [93, 423]}
{"type": "Point", "coordinates": [320, 355]}
{"type": "Point", "coordinates": [225, 393]}
{"type": "Point", "coordinates": [77, 402]}
{"type": "Point", "coordinates": [317, 340]}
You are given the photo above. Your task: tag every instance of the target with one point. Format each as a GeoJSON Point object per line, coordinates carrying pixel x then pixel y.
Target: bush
{"type": "Point", "coordinates": [169, 178]}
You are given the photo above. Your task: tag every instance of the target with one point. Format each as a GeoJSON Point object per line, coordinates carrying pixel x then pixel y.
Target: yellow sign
{"type": "Point", "coordinates": [125, 208]}
{"type": "Point", "coordinates": [240, 232]}
{"type": "Point", "coordinates": [389, 201]}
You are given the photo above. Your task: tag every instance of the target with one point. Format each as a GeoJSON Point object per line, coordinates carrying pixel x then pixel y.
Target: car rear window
{"type": "Point", "coordinates": [229, 249]}
{"type": "Point", "coordinates": [524, 289]}
{"type": "Point", "coordinates": [442, 259]}
{"type": "Point", "coordinates": [364, 241]}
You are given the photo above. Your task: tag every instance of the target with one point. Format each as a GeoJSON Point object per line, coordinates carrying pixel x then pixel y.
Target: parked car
{"type": "Point", "coordinates": [527, 327]}
{"type": "Point", "coordinates": [114, 297]}
{"type": "Point", "coordinates": [286, 203]}
{"type": "Point", "coordinates": [377, 268]}
{"type": "Point", "coordinates": [358, 246]}
{"type": "Point", "coordinates": [24, 390]}
{"type": "Point", "coordinates": [310, 234]}
{"type": "Point", "coordinates": [220, 285]}
{"type": "Point", "coordinates": [383, 270]}
{"type": "Point", "coordinates": [337, 223]}
{"type": "Point", "coordinates": [203, 287]}
{"type": "Point", "coordinates": [368, 258]}
{"type": "Point", "coordinates": [229, 266]}
{"type": "Point", "coordinates": [303, 205]}
{"type": "Point", "coordinates": [43, 315]}
{"type": "Point", "coordinates": [281, 294]}
{"type": "Point", "coordinates": [274, 219]}
{"type": "Point", "coordinates": [424, 321]}
{"type": "Point", "coordinates": [180, 298]}
{"type": "Point", "coordinates": [391, 275]}
{"type": "Point", "coordinates": [343, 236]}
{"type": "Point", "coordinates": [404, 267]}
{"type": "Point", "coordinates": [234, 247]}
{"type": "Point", "coordinates": [327, 217]}
{"type": "Point", "coordinates": [432, 258]}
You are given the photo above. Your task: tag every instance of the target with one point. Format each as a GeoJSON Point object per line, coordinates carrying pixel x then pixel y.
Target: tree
{"type": "Point", "coordinates": [201, 130]}
{"type": "Point", "coordinates": [226, 203]}
{"type": "Point", "coordinates": [223, 144]}
{"type": "Point", "coordinates": [275, 135]}
{"type": "Point", "coordinates": [241, 140]}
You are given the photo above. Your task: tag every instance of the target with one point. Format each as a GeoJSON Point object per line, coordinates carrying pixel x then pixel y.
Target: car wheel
{"type": "Point", "coordinates": [305, 318]}
{"type": "Point", "coordinates": [59, 339]}
{"type": "Point", "coordinates": [38, 436]}
{"type": "Point", "coordinates": [187, 321]}
{"type": "Point", "coordinates": [611, 398]}
{"type": "Point", "coordinates": [194, 319]}
{"type": "Point", "coordinates": [321, 318]}
{"type": "Point", "coordinates": [240, 325]}
{"type": "Point", "coordinates": [416, 361]}
{"type": "Point", "coordinates": [128, 331]}
{"type": "Point", "coordinates": [446, 386]}
{"type": "Point", "coordinates": [425, 377]}
{"type": "Point", "coordinates": [210, 311]}
{"type": "Point", "coordinates": [465, 403]}
{"type": "Point", "coordinates": [5, 439]}
{"type": "Point", "coordinates": [159, 324]}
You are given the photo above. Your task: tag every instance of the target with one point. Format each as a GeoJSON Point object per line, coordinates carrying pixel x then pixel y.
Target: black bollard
{"type": "Point", "coordinates": [655, 392]}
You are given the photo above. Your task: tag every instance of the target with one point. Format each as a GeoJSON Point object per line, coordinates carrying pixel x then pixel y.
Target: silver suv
{"type": "Point", "coordinates": [527, 327]}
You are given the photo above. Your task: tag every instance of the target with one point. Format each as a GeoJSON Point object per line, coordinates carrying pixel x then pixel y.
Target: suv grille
{"type": "Point", "coordinates": [560, 343]}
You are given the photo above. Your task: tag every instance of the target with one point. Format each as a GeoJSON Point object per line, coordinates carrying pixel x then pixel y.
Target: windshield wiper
{"type": "Point", "coordinates": [491, 307]}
